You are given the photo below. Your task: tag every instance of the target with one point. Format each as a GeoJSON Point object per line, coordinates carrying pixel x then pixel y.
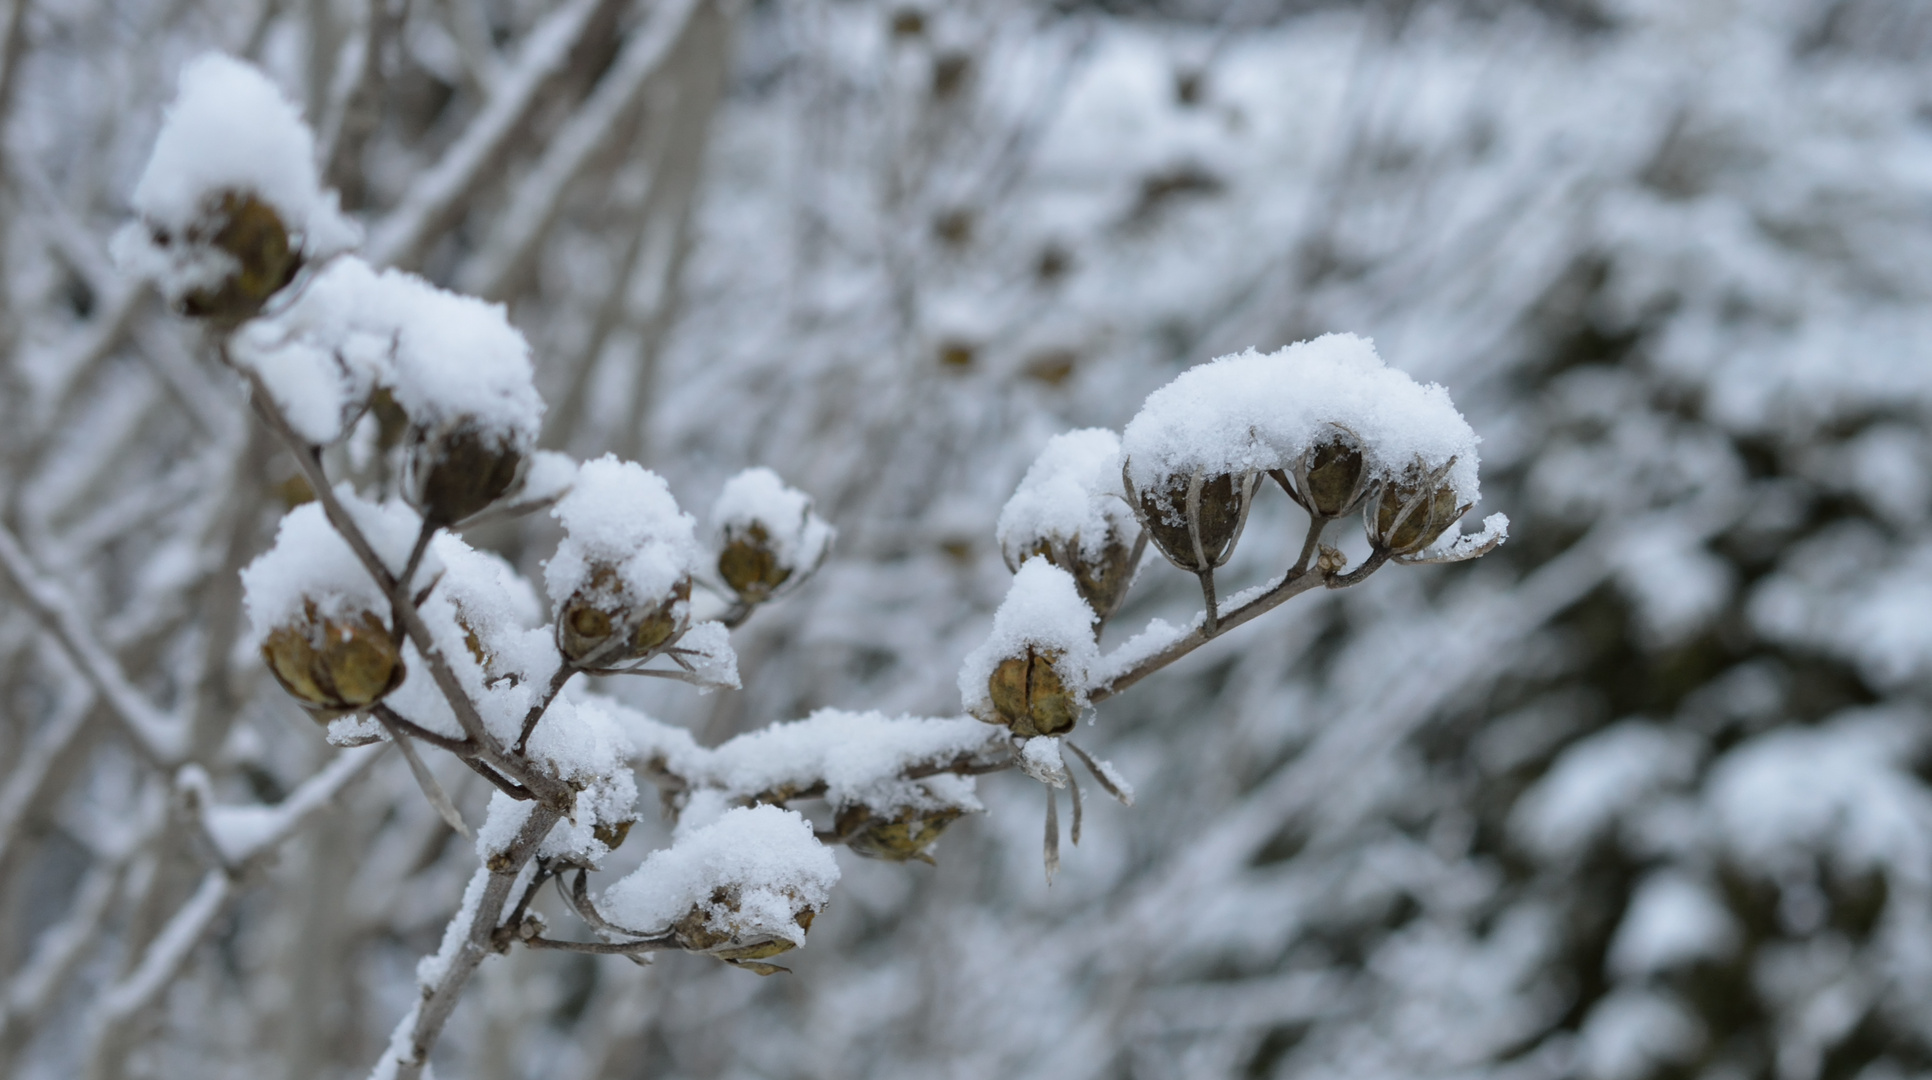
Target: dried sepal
{"type": "Point", "coordinates": [457, 468]}
{"type": "Point", "coordinates": [1412, 512]}
{"type": "Point", "coordinates": [1030, 696]}
{"type": "Point", "coordinates": [900, 836]}
{"type": "Point", "coordinates": [334, 664]}
{"type": "Point", "coordinates": [243, 232]}
{"type": "Point", "coordinates": [601, 626]}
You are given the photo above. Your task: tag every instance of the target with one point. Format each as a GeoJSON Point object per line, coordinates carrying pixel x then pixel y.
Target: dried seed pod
{"type": "Point", "coordinates": [612, 834]}
{"type": "Point", "coordinates": [600, 626]}
{"type": "Point", "coordinates": [1412, 512]}
{"type": "Point", "coordinates": [1030, 697]}
{"type": "Point", "coordinates": [1330, 479]}
{"type": "Point", "coordinates": [334, 664]}
{"type": "Point", "coordinates": [771, 540]}
{"type": "Point", "coordinates": [908, 834]}
{"type": "Point", "coordinates": [750, 564]}
{"type": "Point", "coordinates": [254, 240]}
{"type": "Point", "coordinates": [1195, 520]}
{"type": "Point", "coordinates": [1102, 577]}
{"type": "Point", "coordinates": [458, 468]}
{"type": "Point", "coordinates": [700, 931]}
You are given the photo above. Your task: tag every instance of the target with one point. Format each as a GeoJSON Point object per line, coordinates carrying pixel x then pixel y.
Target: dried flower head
{"type": "Point", "coordinates": [334, 664]}
{"type": "Point", "coordinates": [457, 468]}
{"type": "Point", "coordinates": [1413, 511]}
{"type": "Point", "coordinates": [259, 257]}
{"type": "Point", "coordinates": [1330, 479]}
{"type": "Point", "coordinates": [602, 625]}
{"type": "Point", "coordinates": [901, 836]}
{"type": "Point", "coordinates": [1031, 697]}
{"type": "Point", "coordinates": [1195, 519]}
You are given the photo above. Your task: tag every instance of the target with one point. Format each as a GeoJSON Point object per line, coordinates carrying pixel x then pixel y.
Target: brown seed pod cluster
{"type": "Point", "coordinates": [769, 538]}
{"type": "Point", "coordinates": [1102, 578]}
{"type": "Point", "coordinates": [334, 664]}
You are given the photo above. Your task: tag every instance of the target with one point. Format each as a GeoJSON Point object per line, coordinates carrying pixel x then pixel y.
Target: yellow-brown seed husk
{"type": "Point", "coordinates": [750, 565]}
{"type": "Point", "coordinates": [1163, 511]}
{"type": "Point", "coordinates": [598, 612]}
{"type": "Point", "coordinates": [1030, 696]}
{"type": "Point", "coordinates": [250, 231]}
{"type": "Point", "coordinates": [334, 665]}
{"type": "Point", "coordinates": [612, 834]}
{"type": "Point", "coordinates": [459, 469]}
{"type": "Point", "coordinates": [694, 932]}
{"type": "Point", "coordinates": [898, 838]}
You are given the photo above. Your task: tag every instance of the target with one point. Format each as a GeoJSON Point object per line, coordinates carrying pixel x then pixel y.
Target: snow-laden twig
{"type": "Point", "coordinates": [246, 833]}
{"type": "Point", "coordinates": [472, 932]}
{"type": "Point", "coordinates": [56, 955]}
{"type": "Point", "coordinates": [485, 744]}
{"type": "Point", "coordinates": [440, 192]}
{"type": "Point", "coordinates": [168, 952]}
{"type": "Point", "coordinates": [157, 736]}
{"type": "Point", "coordinates": [29, 783]}
{"type": "Point", "coordinates": [589, 131]}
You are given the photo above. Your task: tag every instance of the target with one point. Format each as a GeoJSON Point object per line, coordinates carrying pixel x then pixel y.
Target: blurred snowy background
{"type": "Point", "coordinates": [1643, 794]}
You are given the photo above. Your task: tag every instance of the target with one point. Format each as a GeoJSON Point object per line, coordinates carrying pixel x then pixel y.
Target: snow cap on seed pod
{"type": "Point", "coordinates": [743, 888]}
{"type": "Point", "coordinates": [1255, 413]}
{"type": "Point", "coordinates": [769, 538]}
{"type": "Point", "coordinates": [1071, 509]}
{"type": "Point", "coordinates": [231, 202]}
{"type": "Point", "coordinates": [320, 620]}
{"type": "Point", "coordinates": [1031, 672]}
{"type": "Point", "coordinates": [621, 579]}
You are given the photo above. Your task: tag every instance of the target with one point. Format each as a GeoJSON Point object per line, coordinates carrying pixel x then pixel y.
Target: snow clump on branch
{"type": "Point", "coordinates": [318, 616]}
{"type": "Point", "coordinates": [769, 536]}
{"type": "Point", "coordinates": [453, 364]}
{"type": "Point", "coordinates": [1030, 673]}
{"type": "Point", "coordinates": [231, 202]}
{"type": "Point", "coordinates": [743, 888]}
{"type": "Point", "coordinates": [621, 578]}
{"type": "Point", "coordinates": [1072, 509]}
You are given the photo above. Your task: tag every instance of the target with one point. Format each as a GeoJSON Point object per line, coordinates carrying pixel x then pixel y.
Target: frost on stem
{"type": "Point", "coordinates": [231, 204]}
{"type": "Point", "coordinates": [743, 888]}
{"type": "Point", "coordinates": [1031, 673]}
{"type": "Point", "coordinates": [1071, 509]}
{"type": "Point", "coordinates": [621, 578]}
{"type": "Point", "coordinates": [320, 621]}
{"type": "Point", "coordinates": [769, 538]}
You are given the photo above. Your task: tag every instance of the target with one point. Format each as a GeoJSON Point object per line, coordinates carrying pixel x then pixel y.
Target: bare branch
{"type": "Point", "coordinates": [157, 736]}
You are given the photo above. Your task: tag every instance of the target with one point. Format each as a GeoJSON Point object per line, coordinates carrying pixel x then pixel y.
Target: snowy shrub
{"type": "Point", "coordinates": [373, 614]}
